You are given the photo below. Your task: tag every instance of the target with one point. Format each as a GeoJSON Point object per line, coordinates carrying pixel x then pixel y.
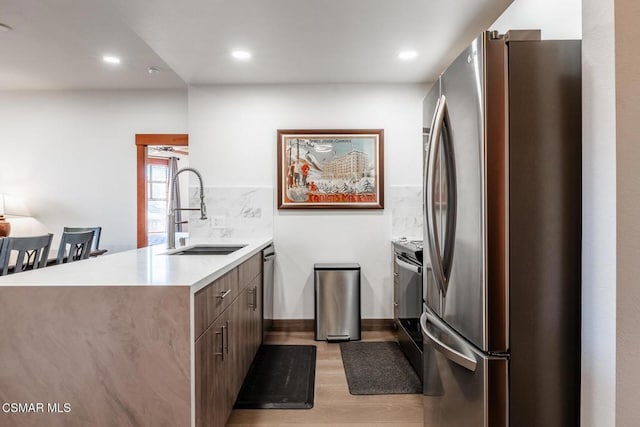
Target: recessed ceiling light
{"type": "Point", "coordinates": [153, 70]}
{"type": "Point", "coordinates": [241, 54]}
{"type": "Point", "coordinates": [110, 59]}
{"type": "Point", "coordinates": [407, 55]}
{"type": "Point", "coordinates": [4, 28]}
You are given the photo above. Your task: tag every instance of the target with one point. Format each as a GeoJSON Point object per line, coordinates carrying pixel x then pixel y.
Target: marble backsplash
{"type": "Point", "coordinates": [248, 212]}
{"type": "Point", "coordinates": [406, 211]}
{"type": "Point", "coordinates": [233, 212]}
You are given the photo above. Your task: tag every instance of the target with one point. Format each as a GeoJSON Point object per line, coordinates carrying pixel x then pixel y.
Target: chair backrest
{"type": "Point", "coordinates": [96, 234]}
{"type": "Point", "coordinates": [74, 246]}
{"type": "Point", "coordinates": [32, 252]}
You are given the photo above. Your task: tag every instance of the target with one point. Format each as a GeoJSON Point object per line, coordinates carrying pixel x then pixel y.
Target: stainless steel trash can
{"type": "Point", "coordinates": [337, 302]}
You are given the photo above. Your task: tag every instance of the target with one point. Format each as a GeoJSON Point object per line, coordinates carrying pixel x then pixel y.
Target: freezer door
{"type": "Point", "coordinates": [462, 385]}
{"type": "Point", "coordinates": [464, 299]}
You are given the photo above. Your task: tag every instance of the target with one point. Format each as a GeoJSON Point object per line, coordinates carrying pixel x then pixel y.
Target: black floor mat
{"type": "Point", "coordinates": [280, 377]}
{"type": "Point", "coordinates": [378, 368]}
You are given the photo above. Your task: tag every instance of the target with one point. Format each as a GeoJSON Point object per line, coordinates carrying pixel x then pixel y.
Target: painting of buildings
{"type": "Point", "coordinates": [330, 170]}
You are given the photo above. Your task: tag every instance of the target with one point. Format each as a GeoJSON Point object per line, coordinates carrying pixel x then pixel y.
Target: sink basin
{"type": "Point", "coordinates": [207, 250]}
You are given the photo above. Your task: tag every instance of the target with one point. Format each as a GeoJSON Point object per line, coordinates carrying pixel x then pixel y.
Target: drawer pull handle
{"type": "Point", "coordinates": [226, 329]}
{"type": "Point", "coordinates": [221, 353]}
{"type": "Point", "coordinates": [250, 292]}
{"type": "Point", "coordinates": [222, 295]}
{"type": "Point", "coordinates": [255, 298]}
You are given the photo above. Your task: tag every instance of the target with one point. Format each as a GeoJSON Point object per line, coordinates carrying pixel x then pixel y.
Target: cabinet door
{"type": "Point", "coordinates": [212, 383]}
{"type": "Point", "coordinates": [248, 327]}
{"type": "Point", "coordinates": [257, 316]}
{"type": "Point", "coordinates": [238, 344]}
{"type": "Point", "coordinates": [249, 269]}
{"type": "Point", "coordinates": [251, 322]}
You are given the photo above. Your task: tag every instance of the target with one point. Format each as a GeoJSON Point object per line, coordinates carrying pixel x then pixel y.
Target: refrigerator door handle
{"type": "Point", "coordinates": [464, 360]}
{"type": "Point", "coordinates": [452, 196]}
{"type": "Point", "coordinates": [442, 263]}
{"type": "Point", "coordinates": [429, 211]}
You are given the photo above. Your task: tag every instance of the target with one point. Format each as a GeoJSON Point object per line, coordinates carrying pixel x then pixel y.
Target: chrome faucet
{"type": "Point", "coordinates": [171, 209]}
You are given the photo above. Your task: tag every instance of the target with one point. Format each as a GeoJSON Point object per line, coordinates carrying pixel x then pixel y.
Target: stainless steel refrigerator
{"type": "Point", "coordinates": [502, 189]}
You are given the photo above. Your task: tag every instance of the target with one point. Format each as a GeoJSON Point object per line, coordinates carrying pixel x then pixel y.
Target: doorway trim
{"type": "Point", "coordinates": [144, 140]}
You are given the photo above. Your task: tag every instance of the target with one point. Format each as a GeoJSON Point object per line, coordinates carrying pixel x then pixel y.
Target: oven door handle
{"type": "Point", "coordinates": [407, 266]}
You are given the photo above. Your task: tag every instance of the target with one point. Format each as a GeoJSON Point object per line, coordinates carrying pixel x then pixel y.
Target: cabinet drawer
{"type": "Point", "coordinates": [211, 301]}
{"type": "Point", "coordinates": [249, 269]}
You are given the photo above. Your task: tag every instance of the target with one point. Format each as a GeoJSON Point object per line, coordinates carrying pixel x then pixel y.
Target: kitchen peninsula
{"type": "Point", "coordinates": [131, 338]}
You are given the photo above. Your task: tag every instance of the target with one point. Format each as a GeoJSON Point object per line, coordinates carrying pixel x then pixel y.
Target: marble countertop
{"type": "Point", "coordinates": [150, 266]}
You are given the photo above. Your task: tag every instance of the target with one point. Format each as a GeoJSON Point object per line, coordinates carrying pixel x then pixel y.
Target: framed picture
{"type": "Point", "coordinates": [330, 169]}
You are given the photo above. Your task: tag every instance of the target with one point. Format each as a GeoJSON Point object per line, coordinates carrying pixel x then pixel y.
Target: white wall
{"type": "Point", "coordinates": [72, 156]}
{"type": "Point", "coordinates": [558, 19]}
{"type": "Point", "coordinates": [232, 131]}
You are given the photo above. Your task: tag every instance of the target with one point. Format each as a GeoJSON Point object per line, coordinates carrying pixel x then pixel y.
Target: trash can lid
{"type": "Point", "coordinates": [336, 266]}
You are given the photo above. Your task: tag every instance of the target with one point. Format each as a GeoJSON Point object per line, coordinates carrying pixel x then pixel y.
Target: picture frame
{"type": "Point", "coordinates": [330, 168]}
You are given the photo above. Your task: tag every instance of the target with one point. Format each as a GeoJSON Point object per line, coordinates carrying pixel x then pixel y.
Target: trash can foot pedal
{"type": "Point", "coordinates": [338, 337]}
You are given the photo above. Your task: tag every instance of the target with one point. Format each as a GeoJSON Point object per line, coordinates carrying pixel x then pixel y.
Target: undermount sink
{"type": "Point", "coordinates": [206, 250]}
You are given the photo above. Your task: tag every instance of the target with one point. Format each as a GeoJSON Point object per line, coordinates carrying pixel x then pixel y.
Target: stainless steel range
{"type": "Point", "coordinates": [408, 299]}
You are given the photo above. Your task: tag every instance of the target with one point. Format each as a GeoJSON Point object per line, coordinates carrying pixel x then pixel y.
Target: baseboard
{"type": "Point", "coordinates": [377, 325]}
{"type": "Point", "coordinates": [292, 325]}
{"type": "Point", "coordinates": [307, 325]}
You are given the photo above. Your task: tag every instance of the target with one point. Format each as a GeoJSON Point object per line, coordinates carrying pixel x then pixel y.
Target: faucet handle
{"type": "Point", "coordinates": [203, 210]}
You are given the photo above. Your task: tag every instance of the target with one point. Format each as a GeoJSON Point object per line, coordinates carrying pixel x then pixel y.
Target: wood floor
{"type": "Point", "coordinates": [333, 405]}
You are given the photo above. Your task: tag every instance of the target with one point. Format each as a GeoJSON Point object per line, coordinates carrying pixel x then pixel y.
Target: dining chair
{"type": "Point", "coordinates": [32, 253]}
{"type": "Point", "coordinates": [95, 246]}
{"type": "Point", "coordinates": [74, 246]}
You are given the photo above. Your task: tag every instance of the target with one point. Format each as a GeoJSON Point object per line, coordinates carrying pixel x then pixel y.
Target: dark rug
{"type": "Point", "coordinates": [280, 377]}
{"type": "Point", "coordinates": [378, 368]}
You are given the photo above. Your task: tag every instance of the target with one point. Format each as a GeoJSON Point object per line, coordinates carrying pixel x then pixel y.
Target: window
{"type": "Point", "coordinates": [156, 149]}
{"type": "Point", "coordinates": [157, 188]}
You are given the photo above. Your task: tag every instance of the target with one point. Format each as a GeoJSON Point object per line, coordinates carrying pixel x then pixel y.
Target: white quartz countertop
{"type": "Point", "coordinates": [149, 266]}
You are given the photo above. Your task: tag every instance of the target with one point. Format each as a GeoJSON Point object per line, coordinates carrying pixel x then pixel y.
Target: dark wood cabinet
{"type": "Point", "coordinates": [251, 273]}
{"type": "Point", "coordinates": [255, 314]}
{"type": "Point", "coordinates": [212, 361]}
{"type": "Point", "coordinates": [210, 302]}
{"type": "Point", "coordinates": [249, 269]}
{"type": "Point", "coordinates": [228, 333]}
{"type": "Point", "coordinates": [242, 351]}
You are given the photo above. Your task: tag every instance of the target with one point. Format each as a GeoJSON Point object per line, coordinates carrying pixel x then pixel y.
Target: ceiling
{"type": "Point", "coordinates": [59, 45]}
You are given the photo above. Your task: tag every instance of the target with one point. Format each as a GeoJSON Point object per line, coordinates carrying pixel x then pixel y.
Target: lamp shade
{"type": "Point", "coordinates": [11, 206]}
